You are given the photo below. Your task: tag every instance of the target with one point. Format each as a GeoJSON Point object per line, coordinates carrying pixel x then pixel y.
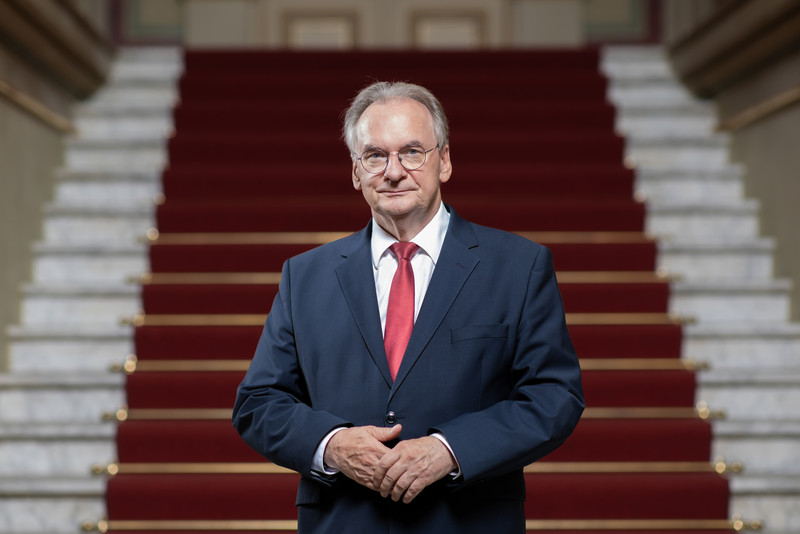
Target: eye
{"type": "Point", "coordinates": [373, 155]}
{"type": "Point", "coordinates": [412, 151]}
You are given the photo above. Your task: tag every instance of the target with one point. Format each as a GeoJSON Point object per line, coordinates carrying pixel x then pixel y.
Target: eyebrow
{"type": "Point", "coordinates": [412, 143]}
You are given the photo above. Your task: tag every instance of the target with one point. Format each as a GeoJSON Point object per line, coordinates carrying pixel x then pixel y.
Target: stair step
{"type": "Point", "coordinates": [55, 450]}
{"type": "Point", "coordinates": [745, 259]}
{"type": "Point", "coordinates": [671, 187]}
{"type": "Point", "coordinates": [78, 304]}
{"type": "Point", "coordinates": [676, 122]}
{"type": "Point", "coordinates": [684, 153]}
{"type": "Point", "coordinates": [97, 226]}
{"type": "Point", "coordinates": [772, 447]}
{"type": "Point", "coordinates": [743, 346]}
{"type": "Point", "coordinates": [63, 398]}
{"type": "Point", "coordinates": [758, 394]}
{"type": "Point", "coordinates": [105, 194]}
{"type": "Point", "coordinates": [733, 301]}
{"type": "Point", "coordinates": [107, 154]}
{"type": "Point", "coordinates": [60, 264]}
{"type": "Point", "coordinates": [773, 498]}
{"type": "Point", "coordinates": [704, 221]}
{"type": "Point", "coordinates": [62, 354]}
{"type": "Point", "coordinates": [94, 123]}
{"type": "Point", "coordinates": [58, 505]}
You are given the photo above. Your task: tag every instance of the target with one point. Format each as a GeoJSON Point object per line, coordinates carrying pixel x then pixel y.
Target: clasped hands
{"type": "Point", "coordinates": [402, 472]}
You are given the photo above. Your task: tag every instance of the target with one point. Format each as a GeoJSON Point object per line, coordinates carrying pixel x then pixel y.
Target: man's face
{"type": "Point", "coordinates": [397, 195]}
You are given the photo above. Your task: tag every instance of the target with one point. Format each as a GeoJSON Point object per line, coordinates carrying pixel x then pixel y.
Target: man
{"type": "Point", "coordinates": [410, 384]}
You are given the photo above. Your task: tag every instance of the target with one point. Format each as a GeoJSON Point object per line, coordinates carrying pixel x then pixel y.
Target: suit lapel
{"type": "Point", "coordinates": [357, 282]}
{"type": "Point", "coordinates": [456, 263]}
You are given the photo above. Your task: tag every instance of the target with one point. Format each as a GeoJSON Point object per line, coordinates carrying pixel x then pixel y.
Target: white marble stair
{"type": "Point", "coordinates": [59, 381]}
{"type": "Point", "coordinates": [710, 239]}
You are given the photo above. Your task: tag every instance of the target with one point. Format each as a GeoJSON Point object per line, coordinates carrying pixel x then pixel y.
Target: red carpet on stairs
{"type": "Point", "coordinates": [534, 152]}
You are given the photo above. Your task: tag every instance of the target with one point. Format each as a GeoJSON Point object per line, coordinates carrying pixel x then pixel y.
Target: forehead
{"type": "Point", "coordinates": [396, 121]}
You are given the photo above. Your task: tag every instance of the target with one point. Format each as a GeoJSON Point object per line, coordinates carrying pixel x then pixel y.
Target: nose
{"type": "Point", "coordinates": [394, 169]}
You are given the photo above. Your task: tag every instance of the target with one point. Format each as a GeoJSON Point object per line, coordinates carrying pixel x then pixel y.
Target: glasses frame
{"type": "Point", "coordinates": [399, 159]}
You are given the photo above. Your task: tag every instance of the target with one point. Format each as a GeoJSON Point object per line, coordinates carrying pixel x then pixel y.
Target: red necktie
{"type": "Point", "coordinates": [400, 310]}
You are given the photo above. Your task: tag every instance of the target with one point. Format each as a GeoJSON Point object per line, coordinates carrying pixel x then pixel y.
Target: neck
{"type": "Point", "coordinates": [405, 227]}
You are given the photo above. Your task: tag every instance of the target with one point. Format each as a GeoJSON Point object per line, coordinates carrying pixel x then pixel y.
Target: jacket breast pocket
{"type": "Point", "coordinates": [479, 331]}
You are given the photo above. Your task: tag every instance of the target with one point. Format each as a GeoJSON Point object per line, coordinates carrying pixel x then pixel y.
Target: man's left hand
{"type": "Point", "coordinates": [411, 466]}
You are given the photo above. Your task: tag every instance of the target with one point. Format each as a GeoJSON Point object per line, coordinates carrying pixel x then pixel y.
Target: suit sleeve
{"type": "Point", "coordinates": [545, 401]}
{"type": "Point", "coordinates": [273, 413]}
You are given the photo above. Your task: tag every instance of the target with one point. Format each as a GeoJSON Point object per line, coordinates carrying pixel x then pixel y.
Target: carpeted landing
{"type": "Point", "coordinates": [257, 173]}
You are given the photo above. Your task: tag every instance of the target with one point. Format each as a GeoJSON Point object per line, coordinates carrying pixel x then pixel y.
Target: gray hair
{"type": "Point", "coordinates": [385, 91]}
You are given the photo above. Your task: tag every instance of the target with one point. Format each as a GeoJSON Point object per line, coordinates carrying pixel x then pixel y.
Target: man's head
{"type": "Point", "coordinates": [398, 139]}
{"type": "Point", "coordinates": [384, 91]}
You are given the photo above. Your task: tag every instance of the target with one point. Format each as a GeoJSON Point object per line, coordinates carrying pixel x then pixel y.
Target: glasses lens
{"type": "Point", "coordinates": [374, 160]}
{"type": "Point", "coordinates": [412, 157]}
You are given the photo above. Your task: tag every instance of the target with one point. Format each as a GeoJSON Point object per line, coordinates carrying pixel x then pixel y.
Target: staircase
{"type": "Point", "coordinates": [59, 381]}
{"type": "Point", "coordinates": [711, 242]}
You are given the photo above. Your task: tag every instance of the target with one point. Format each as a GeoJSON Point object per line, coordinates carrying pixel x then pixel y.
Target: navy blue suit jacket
{"type": "Point", "coordinates": [489, 365]}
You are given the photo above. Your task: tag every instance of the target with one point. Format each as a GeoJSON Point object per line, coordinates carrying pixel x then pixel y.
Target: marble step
{"type": "Point", "coordinates": [775, 500]}
{"type": "Point", "coordinates": [704, 221]}
{"type": "Point", "coordinates": [104, 226]}
{"type": "Point", "coordinates": [758, 302]}
{"type": "Point", "coordinates": [74, 398]}
{"type": "Point", "coordinates": [147, 63]}
{"type": "Point", "coordinates": [49, 504]}
{"type": "Point", "coordinates": [106, 193]}
{"type": "Point", "coordinates": [772, 446]}
{"type": "Point", "coordinates": [694, 187]}
{"type": "Point", "coordinates": [55, 450]}
{"type": "Point", "coordinates": [716, 259]}
{"type": "Point", "coordinates": [144, 154]}
{"type": "Point", "coordinates": [656, 93]}
{"type": "Point", "coordinates": [673, 122]}
{"type": "Point", "coordinates": [687, 153]}
{"type": "Point", "coordinates": [746, 345]}
{"type": "Point", "coordinates": [768, 395]}
{"type": "Point", "coordinates": [100, 264]}
{"type": "Point", "coordinates": [651, 68]}
{"type": "Point", "coordinates": [123, 123]}
{"type": "Point", "coordinates": [142, 90]}
{"type": "Point", "coordinates": [73, 304]}
{"type": "Point", "coordinates": [61, 349]}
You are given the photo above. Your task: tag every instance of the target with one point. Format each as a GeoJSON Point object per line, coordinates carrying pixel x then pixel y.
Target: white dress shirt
{"type": "Point", "coordinates": [384, 264]}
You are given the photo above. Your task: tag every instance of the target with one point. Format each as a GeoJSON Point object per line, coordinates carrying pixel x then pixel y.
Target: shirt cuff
{"type": "Point", "coordinates": [318, 463]}
{"type": "Point", "coordinates": [455, 473]}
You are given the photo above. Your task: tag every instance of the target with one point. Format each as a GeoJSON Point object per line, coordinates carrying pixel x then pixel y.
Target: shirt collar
{"type": "Point", "coordinates": [429, 239]}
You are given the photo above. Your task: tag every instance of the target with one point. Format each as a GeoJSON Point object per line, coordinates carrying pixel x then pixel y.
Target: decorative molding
{"type": "Point", "coordinates": [477, 17]}
{"type": "Point", "coordinates": [34, 107]}
{"type": "Point", "coordinates": [59, 41]}
{"type": "Point", "coordinates": [348, 17]}
{"type": "Point", "coordinates": [735, 41]}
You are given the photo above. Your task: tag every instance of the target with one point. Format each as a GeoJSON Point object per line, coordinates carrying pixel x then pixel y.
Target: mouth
{"type": "Point", "coordinates": [392, 192]}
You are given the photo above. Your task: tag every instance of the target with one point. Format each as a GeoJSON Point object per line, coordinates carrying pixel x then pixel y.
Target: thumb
{"type": "Point", "coordinates": [388, 434]}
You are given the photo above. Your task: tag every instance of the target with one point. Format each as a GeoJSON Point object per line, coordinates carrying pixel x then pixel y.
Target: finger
{"type": "Point", "coordinates": [413, 490]}
{"type": "Point", "coordinates": [387, 473]}
{"type": "Point", "coordinates": [386, 434]}
{"type": "Point", "coordinates": [402, 485]}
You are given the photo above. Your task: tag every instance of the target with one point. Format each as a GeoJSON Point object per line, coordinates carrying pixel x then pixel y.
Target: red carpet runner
{"type": "Point", "coordinates": [257, 173]}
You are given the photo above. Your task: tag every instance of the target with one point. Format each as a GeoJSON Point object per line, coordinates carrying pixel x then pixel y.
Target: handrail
{"type": "Point", "coordinates": [37, 108]}
{"type": "Point", "coordinates": [760, 111]}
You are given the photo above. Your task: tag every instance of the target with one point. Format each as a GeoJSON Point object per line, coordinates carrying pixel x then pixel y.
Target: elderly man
{"type": "Point", "coordinates": [410, 371]}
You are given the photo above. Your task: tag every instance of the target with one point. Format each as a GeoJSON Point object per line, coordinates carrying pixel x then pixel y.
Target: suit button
{"type": "Point", "coordinates": [391, 418]}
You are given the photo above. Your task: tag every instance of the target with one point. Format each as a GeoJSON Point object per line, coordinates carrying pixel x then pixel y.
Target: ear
{"type": "Point", "coordinates": [445, 165]}
{"type": "Point", "coordinates": [356, 178]}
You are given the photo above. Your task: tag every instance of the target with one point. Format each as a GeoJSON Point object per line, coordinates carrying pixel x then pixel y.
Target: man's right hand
{"type": "Point", "coordinates": [356, 451]}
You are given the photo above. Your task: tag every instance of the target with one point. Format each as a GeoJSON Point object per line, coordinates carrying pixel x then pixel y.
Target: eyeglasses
{"type": "Point", "coordinates": [375, 160]}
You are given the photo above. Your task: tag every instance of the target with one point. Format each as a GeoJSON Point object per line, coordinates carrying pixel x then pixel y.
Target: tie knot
{"type": "Point", "coordinates": [403, 250]}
